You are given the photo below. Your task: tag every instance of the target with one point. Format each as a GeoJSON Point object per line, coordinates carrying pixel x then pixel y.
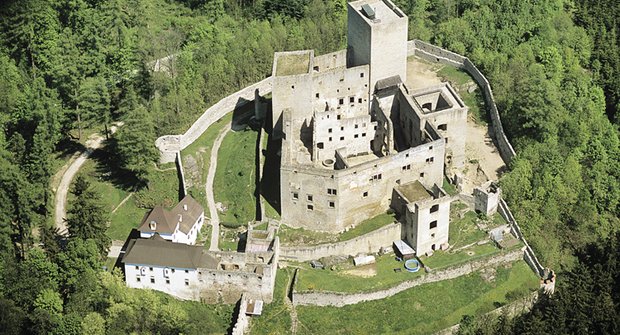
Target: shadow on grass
{"type": "Point", "coordinates": [109, 169]}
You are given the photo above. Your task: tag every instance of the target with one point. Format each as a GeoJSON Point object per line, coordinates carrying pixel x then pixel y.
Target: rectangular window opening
{"type": "Point", "coordinates": [433, 224]}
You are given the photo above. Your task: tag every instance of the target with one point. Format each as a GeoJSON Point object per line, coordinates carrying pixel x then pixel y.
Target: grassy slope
{"type": "Point", "coordinates": [200, 151]}
{"type": "Point", "coordinates": [421, 310]}
{"type": "Point", "coordinates": [276, 318]}
{"type": "Point", "coordinates": [234, 183]}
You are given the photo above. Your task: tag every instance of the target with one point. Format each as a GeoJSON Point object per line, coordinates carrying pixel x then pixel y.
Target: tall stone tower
{"type": "Point", "coordinates": [377, 36]}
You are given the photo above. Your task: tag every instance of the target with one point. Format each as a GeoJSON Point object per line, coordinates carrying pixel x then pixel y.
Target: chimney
{"type": "Point", "coordinates": [180, 218]}
{"type": "Point", "coordinates": [185, 207]}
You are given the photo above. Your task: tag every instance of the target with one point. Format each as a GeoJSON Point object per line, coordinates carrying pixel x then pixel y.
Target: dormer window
{"type": "Point", "coordinates": [153, 225]}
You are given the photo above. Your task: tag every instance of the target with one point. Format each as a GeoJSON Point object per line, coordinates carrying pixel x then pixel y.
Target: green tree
{"type": "Point", "coordinates": [135, 142]}
{"type": "Point", "coordinates": [87, 217]}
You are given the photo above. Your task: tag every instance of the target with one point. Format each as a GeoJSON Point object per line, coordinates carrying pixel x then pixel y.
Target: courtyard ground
{"type": "Point", "coordinates": [483, 161]}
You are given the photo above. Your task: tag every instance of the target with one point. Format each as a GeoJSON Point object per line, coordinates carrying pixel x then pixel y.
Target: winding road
{"type": "Point", "coordinates": [60, 202]}
{"type": "Point", "coordinates": [215, 219]}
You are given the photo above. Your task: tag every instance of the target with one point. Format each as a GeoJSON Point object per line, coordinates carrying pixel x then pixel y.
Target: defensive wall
{"type": "Point", "coordinates": [339, 299]}
{"type": "Point", "coordinates": [436, 54]}
{"type": "Point", "coordinates": [528, 255]}
{"type": "Point", "coordinates": [242, 322]}
{"type": "Point", "coordinates": [368, 243]}
{"type": "Point", "coordinates": [169, 145]}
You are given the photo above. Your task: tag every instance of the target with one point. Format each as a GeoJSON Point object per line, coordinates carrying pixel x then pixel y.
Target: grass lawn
{"type": "Point", "coordinates": [228, 239]}
{"type": "Point", "coordinates": [200, 153]}
{"type": "Point", "coordinates": [339, 281]}
{"type": "Point", "coordinates": [276, 318]}
{"type": "Point", "coordinates": [449, 188]}
{"type": "Point", "coordinates": [125, 218]}
{"type": "Point", "coordinates": [368, 226]}
{"type": "Point", "coordinates": [424, 309]}
{"type": "Point", "coordinates": [300, 236]}
{"type": "Point", "coordinates": [464, 231]}
{"type": "Point", "coordinates": [235, 178]}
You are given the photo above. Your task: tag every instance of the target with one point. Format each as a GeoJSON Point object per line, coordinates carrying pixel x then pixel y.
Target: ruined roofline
{"type": "Point", "coordinates": [444, 87]}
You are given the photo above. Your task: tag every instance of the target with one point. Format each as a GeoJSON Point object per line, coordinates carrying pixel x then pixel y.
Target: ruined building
{"type": "Point", "coordinates": [352, 131]}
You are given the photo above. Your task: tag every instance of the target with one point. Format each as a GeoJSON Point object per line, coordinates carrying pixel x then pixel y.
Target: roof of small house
{"type": "Point", "coordinates": [185, 214]}
{"type": "Point", "coordinates": [188, 210]}
{"type": "Point", "coordinates": [159, 252]}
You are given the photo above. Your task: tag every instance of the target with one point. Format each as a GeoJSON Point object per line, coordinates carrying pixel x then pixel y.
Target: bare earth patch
{"type": "Point", "coordinates": [421, 74]}
{"type": "Point", "coordinates": [364, 271]}
{"type": "Point", "coordinates": [483, 159]}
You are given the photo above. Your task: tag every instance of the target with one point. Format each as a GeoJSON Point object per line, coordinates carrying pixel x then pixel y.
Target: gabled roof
{"type": "Point", "coordinates": [164, 224]}
{"type": "Point", "coordinates": [159, 252]}
{"type": "Point", "coordinates": [187, 211]}
{"type": "Point", "coordinates": [185, 214]}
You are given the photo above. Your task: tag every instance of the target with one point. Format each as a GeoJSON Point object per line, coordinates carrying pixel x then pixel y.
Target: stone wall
{"type": "Point", "coordinates": [437, 54]}
{"type": "Point", "coordinates": [338, 299]}
{"type": "Point", "coordinates": [529, 255]}
{"type": "Point", "coordinates": [168, 145]}
{"type": "Point", "coordinates": [368, 243]}
{"type": "Point", "coordinates": [181, 173]}
{"type": "Point", "coordinates": [243, 321]}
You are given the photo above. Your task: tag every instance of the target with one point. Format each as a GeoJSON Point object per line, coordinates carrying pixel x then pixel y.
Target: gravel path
{"type": "Point", "coordinates": [215, 219]}
{"type": "Point", "coordinates": [60, 211]}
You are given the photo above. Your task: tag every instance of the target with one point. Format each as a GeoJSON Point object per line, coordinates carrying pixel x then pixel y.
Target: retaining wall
{"type": "Point", "coordinates": [168, 145]}
{"type": "Point", "coordinates": [436, 54]}
{"type": "Point", "coordinates": [339, 299]}
{"type": "Point", "coordinates": [367, 243]}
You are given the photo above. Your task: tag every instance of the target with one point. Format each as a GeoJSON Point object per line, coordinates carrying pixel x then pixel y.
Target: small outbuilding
{"type": "Point", "coordinates": [363, 260]}
{"type": "Point", "coordinates": [403, 250]}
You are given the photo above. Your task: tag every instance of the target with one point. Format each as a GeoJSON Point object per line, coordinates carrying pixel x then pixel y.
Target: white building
{"type": "Point", "coordinates": [180, 225]}
{"type": "Point", "coordinates": [160, 265]}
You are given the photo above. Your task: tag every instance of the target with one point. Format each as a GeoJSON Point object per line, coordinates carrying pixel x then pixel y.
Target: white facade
{"type": "Point", "coordinates": [181, 283]}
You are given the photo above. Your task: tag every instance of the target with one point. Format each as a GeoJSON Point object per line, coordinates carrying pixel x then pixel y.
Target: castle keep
{"type": "Point", "coordinates": [353, 133]}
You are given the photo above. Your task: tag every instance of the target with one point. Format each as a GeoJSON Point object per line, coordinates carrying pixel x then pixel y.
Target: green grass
{"type": "Point", "coordinates": [301, 236]}
{"type": "Point", "coordinates": [200, 151]}
{"type": "Point", "coordinates": [126, 217]}
{"type": "Point", "coordinates": [228, 239]}
{"type": "Point", "coordinates": [235, 178]}
{"type": "Point", "coordinates": [455, 75]}
{"type": "Point", "coordinates": [464, 231]}
{"type": "Point", "coordinates": [474, 100]}
{"type": "Point", "coordinates": [449, 188]}
{"type": "Point", "coordinates": [421, 310]}
{"type": "Point", "coordinates": [162, 190]}
{"type": "Point", "coordinates": [276, 318]}
{"type": "Point", "coordinates": [338, 281]}
{"type": "Point", "coordinates": [443, 259]}
{"type": "Point", "coordinates": [367, 226]}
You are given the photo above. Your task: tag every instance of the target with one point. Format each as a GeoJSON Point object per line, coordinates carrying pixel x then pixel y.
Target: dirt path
{"type": "Point", "coordinates": [215, 219]}
{"type": "Point", "coordinates": [122, 202]}
{"type": "Point", "coordinates": [60, 212]}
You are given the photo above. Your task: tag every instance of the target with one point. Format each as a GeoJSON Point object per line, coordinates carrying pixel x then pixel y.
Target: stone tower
{"type": "Point", "coordinates": [377, 36]}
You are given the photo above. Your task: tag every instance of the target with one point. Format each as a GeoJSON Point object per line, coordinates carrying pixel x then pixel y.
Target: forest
{"type": "Point", "coordinates": [70, 68]}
